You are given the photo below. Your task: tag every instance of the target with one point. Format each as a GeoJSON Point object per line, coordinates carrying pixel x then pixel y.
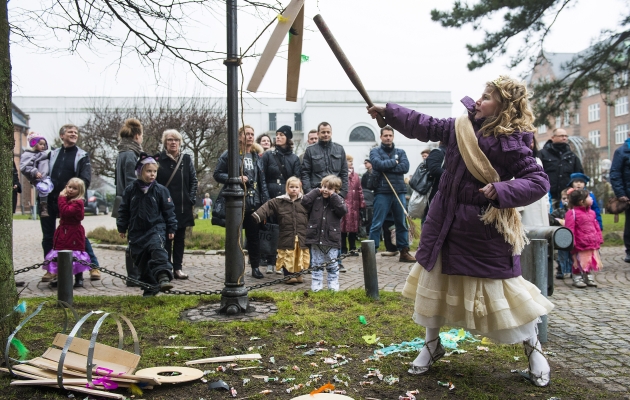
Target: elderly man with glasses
{"type": "Point", "coordinates": [559, 162]}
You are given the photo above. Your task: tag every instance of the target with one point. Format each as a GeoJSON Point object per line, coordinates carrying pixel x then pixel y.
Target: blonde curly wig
{"type": "Point", "coordinates": [515, 113]}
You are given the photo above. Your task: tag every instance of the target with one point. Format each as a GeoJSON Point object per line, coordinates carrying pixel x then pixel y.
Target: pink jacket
{"type": "Point", "coordinates": [586, 232]}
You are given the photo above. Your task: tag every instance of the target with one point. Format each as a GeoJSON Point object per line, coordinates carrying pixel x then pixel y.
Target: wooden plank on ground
{"type": "Point", "coordinates": [102, 352]}
{"type": "Point", "coordinates": [241, 357]}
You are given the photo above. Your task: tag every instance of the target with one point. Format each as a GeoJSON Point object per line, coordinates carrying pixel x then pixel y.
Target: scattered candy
{"type": "Point", "coordinates": [339, 391]}
{"type": "Point", "coordinates": [321, 349]}
{"type": "Point", "coordinates": [254, 338]}
{"type": "Point", "coordinates": [299, 333]}
{"type": "Point", "coordinates": [266, 391]}
{"type": "Point", "coordinates": [301, 346]}
{"type": "Point", "coordinates": [339, 364]}
{"type": "Point", "coordinates": [232, 392]}
{"type": "Point", "coordinates": [390, 380]}
{"type": "Point", "coordinates": [483, 348]}
{"type": "Point", "coordinates": [321, 343]}
{"type": "Point", "coordinates": [295, 387]}
{"type": "Point", "coordinates": [272, 360]}
{"type": "Point", "coordinates": [221, 368]}
{"type": "Point", "coordinates": [516, 358]}
{"type": "Point", "coordinates": [345, 346]}
{"type": "Point", "coordinates": [329, 360]}
{"type": "Point", "coordinates": [296, 368]}
{"type": "Point", "coordinates": [313, 364]}
{"type": "Point", "coordinates": [286, 380]}
{"type": "Point", "coordinates": [172, 337]}
{"type": "Point", "coordinates": [250, 348]}
{"type": "Point", "coordinates": [366, 383]}
{"type": "Point", "coordinates": [245, 381]}
{"type": "Point", "coordinates": [310, 352]}
{"type": "Point", "coordinates": [362, 320]}
{"type": "Point", "coordinates": [272, 379]}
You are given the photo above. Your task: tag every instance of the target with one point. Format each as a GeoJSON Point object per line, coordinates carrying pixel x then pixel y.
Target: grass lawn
{"type": "Point", "coordinates": [327, 316]}
{"type": "Point", "coordinates": [21, 216]}
{"type": "Point", "coordinates": [613, 232]}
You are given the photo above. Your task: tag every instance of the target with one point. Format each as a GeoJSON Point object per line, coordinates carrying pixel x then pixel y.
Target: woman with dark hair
{"type": "Point", "coordinates": [129, 149]}
{"type": "Point", "coordinates": [178, 174]}
{"type": "Point", "coordinates": [253, 182]}
{"type": "Point", "coordinates": [279, 165]}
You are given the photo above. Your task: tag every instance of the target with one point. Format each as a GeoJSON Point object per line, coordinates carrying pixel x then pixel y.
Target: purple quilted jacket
{"type": "Point", "coordinates": [453, 225]}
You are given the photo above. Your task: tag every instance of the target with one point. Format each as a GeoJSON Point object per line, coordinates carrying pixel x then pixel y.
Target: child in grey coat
{"type": "Point", "coordinates": [34, 165]}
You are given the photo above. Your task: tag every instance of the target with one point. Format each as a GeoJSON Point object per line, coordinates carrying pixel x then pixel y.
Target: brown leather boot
{"type": "Point", "coordinates": [44, 206]}
{"type": "Point", "coordinates": [405, 256]}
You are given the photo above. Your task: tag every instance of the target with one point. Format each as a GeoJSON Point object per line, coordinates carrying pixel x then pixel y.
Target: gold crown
{"type": "Point", "coordinates": [497, 81]}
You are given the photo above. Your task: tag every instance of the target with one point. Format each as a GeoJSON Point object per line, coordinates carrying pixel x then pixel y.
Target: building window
{"type": "Point", "coordinates": [593, 89]}
{"type": "Point", "coordinates": [567, 117]}
{"type": "Point", "coordinates": [621, 133]}
{"type": "Point", "coordinates": [558, 121]}
{"type": "Point", "coordinates": [576, 118]}
{"type": "Point", "coordinates": [593, 112]}
{"type": "Point", "coordinates": [621, 106]}
{"type": "Point", "coordinates": [621, 79]}
{"type": "Point", "coordinates": [593, 136]}
{"type": "Point", "coordinates": [542, 129]}
{"type": "Point", "coordinates": [297, 121]}
{"type": "Point", "coordinates": [362, 134]}
{"type": "Point", "coordinates": [272, 122]}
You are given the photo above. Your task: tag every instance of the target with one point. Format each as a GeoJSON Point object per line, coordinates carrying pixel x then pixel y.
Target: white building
{"type": "Point", "coordinates": [344, 110]}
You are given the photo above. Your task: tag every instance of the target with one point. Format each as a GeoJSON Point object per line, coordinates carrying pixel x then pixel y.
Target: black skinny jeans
{"type": "Point", "coordinates": [175, 248]}
{"type": "Point", "coordinates": [351, 238]}
{"type": "Point", "coordinates": [252, 231]}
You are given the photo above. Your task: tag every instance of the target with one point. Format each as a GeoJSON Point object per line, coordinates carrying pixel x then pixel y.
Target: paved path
{"type": "Point", "coordinates": [588, 329]}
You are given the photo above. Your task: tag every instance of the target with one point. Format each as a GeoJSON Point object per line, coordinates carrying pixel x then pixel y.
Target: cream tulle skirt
{"type": "Point", "coordinates": [504, 310]}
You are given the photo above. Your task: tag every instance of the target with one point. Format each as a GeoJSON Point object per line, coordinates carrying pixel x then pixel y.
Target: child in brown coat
{"type": "Point", "coordinates": [293, 253]}
{"type": "Point", "coordinates": [326, 208]}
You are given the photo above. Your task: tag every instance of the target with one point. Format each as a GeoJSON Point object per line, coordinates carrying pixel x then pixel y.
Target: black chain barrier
{"type": "Point", "coordinates": [149, 287]}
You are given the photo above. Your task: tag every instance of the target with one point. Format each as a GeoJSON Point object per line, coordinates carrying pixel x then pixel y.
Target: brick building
{"type": "Point", "coordinates": [606, 127]}
{"type": "Point", "coordinates": [20, 130]}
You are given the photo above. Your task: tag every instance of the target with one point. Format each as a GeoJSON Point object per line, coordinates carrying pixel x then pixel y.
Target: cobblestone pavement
{"type": "Point", "coordinates": [588, 329]}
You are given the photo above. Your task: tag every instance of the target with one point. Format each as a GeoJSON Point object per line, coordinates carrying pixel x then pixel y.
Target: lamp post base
{"type": "Point", "coordinates": [234, 301]}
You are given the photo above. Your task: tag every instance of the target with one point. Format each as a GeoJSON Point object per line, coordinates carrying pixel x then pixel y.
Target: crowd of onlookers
{"type": "Point", "coordinates": [374, 204]}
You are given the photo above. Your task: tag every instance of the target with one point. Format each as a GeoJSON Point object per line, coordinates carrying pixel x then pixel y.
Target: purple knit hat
{"type": "Point", "coordinates": [34, 138]}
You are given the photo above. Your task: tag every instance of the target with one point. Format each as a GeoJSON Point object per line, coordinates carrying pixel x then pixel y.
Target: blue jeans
{"type": "Point", "coordinates": [383, 202]}
{"type": "Point", "coordinates": [565, 261]}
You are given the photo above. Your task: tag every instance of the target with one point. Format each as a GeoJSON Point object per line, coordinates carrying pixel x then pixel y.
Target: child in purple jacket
{"type": "Point", "coordinates": [468, 271]}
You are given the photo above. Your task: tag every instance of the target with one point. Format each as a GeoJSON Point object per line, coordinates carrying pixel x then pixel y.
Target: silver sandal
{"type": "Point", "coordinates": [439, 353]}
{"type": "Point", "coordinates": [542, 380]}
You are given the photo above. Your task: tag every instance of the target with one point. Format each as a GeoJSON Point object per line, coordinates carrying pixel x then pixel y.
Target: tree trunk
{"type": "Point", "coordinates": [8, 292]}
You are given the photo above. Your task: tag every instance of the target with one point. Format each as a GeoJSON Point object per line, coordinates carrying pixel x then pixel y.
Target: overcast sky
{"type": "Point", "coordinates": [393, 45]}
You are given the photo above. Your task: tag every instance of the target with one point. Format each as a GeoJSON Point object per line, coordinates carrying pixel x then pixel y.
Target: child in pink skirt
{"type": "Point", "coordinates": [581, 220]}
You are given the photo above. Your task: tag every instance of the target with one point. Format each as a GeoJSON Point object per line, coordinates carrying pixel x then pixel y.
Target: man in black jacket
{"type": "Point", "coordinates": [559, 162]}
{"type": "Point", "coordinates": [322, 159]}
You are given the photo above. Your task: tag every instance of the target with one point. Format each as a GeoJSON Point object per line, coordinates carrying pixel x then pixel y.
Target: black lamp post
{"type": "Point", "coordinates": [234, 298]}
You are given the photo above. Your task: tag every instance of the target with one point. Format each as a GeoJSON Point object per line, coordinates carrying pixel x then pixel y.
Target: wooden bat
{"type": "Point", "coordinates": [345, 64]}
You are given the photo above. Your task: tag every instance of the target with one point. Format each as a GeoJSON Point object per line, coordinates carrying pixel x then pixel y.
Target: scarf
{"type": "Point", "coordinates": [127, 144]}
{"type": "Point", "coordinates": [506, 220]}
{"type": "Point", "coordinates": [144, 186]}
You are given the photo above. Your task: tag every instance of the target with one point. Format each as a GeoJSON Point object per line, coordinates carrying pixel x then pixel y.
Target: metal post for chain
{"type": "Point", "coordinates": [65, 276]}
{"type": "Point", "coordinates": [534, 269]}
{"type": "Point", "coordinates": [370, 274]}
